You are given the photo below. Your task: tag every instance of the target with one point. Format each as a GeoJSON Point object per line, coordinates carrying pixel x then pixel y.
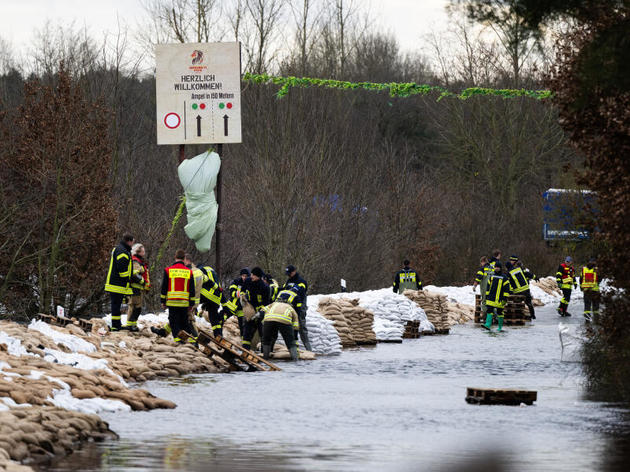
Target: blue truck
{"type": "Point", "coordinates": [566, 213]}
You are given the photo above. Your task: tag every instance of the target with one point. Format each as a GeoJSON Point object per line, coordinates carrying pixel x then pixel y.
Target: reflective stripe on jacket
{"type": "Point", "coordinates": [565, 277]}
{"type": "Point", "coordinates": [498, 291]}
{"type": "Point", "coordinates": [589, 279]}
{"type": "Point", "coordinates": [282, 313]}
{"type": "Point", "coordinates": [119, 272]}
{"type": "Point", "coordinates": [518, 280]}
{"type": "Point", "coordinates": [178, 287]}
{"type": "Point", "coordinates": [211, 289]}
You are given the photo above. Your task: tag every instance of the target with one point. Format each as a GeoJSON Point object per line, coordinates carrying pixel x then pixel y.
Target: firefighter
{"type": "Point", "coordinates": [511, 264]}
{"type": "Point", "coordinates": [198, 276]}
{"type": "Point", "coordinates": [296, 282]}
{"type": "Point", "coordinates": [233, 305]}
{"type": "Point", "coordinates": [519, 283]}
{"type": "Point", "coordinates": [281, 317]}
{"type": "Point", "coordinates": [178, 294]}
{"type": "Point", "coordinates": [496, 297]}
{"type": "Point", "coordinates": [406, 278]}
{"type": "Point", "coordinates": [257, 293]}
{"type": "Point", "coordinates": [211, 293]}
{"type": "Point", "coordinates": [496, 258]}
{"type": "Point", "coordinates": [140, 267]}
{"type": "Point", "coordinates": [589, 283]}
{"type": "Point", "coordinates": [565, 277]}
{"type": "Point", "coordinates": [481, 279]}
{"type": "Point", "coordinates": [119, 277]}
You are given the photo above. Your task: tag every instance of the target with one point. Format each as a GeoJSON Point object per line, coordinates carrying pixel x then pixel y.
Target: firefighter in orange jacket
{"type": "Point", "coordinates": [178, 294]}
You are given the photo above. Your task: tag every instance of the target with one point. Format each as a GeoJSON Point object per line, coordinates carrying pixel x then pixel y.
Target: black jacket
{"type": "Point", "coordinates": [299, 285]}
{"type": "Point", "coordinates": [120, 270]}
{"type": "Point", "coordinates": [257, 292]}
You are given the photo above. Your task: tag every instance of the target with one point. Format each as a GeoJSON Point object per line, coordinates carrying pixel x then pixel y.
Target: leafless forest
{"type": "Point", "coordinates": [343, 184]}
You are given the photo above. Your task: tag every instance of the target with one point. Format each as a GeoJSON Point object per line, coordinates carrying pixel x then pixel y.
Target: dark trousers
{"type": "Point", "coordinates": [216, 319]}
{"type": "Point", "coordinates": [528, 302]}
{"type": "Point", "coordinates": [303, 329]}
{"type": "Point", "coordinates": [249, 330]}
{"type": "Point", "coordinates": [591, 304]}
{"type": "Point", "coordinates": [116, 300]}
{"type": "Point", "coordinates": [270, 333]}
{"type": "Point", "coordinates": [178, 320]}
{"type": "Point", "coordinates": [566, 298]}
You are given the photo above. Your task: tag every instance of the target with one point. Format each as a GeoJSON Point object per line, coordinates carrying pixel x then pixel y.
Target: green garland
{"type": "Point", "coordinates": [396, 89]}
{"type": "Point", "coordinates": [178, 215]}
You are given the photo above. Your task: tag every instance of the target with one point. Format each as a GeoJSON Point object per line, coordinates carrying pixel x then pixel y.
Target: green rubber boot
{"type": "Point", "coordinates": [488, 323]}
{"type": "Point", "coordinates": [500, 318]}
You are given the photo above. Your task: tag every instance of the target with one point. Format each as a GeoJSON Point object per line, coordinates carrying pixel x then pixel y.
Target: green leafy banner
{"type": "Point", "coordinates": [395, 89]}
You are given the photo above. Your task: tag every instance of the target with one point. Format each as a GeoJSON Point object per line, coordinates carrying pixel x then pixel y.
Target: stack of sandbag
{"type": "Point", "coordinates": [322, 333]}
{"type": "Point", "coordinates": [459, 313]}
{"type": "Point", "coordinates": [392, 312]}
{"type": "Point", "coordinates": [434, 305]}
{"type": "Point", "coordinates": [332, 309]}
{"type": "Point", "coordinates": [545, 291]}
{"type": "Point", "coordinates": [360, 321]}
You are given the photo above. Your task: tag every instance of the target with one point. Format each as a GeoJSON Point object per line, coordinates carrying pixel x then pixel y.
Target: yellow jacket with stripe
{"type": "Point", "coordinates": [120, 270]}
{"type": "Point", "coordinates": [281, 313]}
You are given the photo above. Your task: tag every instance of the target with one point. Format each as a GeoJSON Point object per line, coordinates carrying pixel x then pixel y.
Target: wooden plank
{"type": "Point", "coordinates": [500, 396]}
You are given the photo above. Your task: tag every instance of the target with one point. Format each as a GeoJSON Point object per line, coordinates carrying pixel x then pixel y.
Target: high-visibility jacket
{"type": "Point", "coordinates": [178, 286]}
{"type": "Point", "coordinates": [486, 271]}
{"type": "Point", "coordinates": [211, 288]}
{"type": "Point", "coordinates": [565, 277]}
{"type": "Point", "coordinates": [291, 297]}
{"type": "Point", "coordinates": [498, 291]}
{"type": "Point", "coordinates": [588, 280]}
{"type": "Point", "coordinates": [298, 284]}
{"type": "Point", "coordinates": [140, 278]}
{"type": "Point", "coordinates": [274, 289]}
{"type": "Point", "coordinates": [120, 269]}
{"type": "Point", "coordinates": [233, 305]}
{"type": "Point", "coordinates": [281, 313]}
{"type": "Point", "coordinates": [406, 279]}
{"type": "Point", "coordinates": [198, 277]}
{"type": "Point", "coordinates": [518, 280]}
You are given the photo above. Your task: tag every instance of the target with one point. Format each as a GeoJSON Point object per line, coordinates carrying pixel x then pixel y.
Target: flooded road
{"type": "Point", "coordinates": [391, 407]}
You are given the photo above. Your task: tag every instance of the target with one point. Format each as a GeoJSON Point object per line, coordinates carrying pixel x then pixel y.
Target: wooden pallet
{"type": "Point", "coordinates": [237, 356]}
{"type": "Point", "coordinates": [366, 343]}
{"type": "Point", "coordinates": [54, 320]}
{"type": "Point", "coordinates": [390, 341]}
{"type": "Point", "coordinates": [488, 396]}
{"type": "Point", "coordinates": [437, 332]}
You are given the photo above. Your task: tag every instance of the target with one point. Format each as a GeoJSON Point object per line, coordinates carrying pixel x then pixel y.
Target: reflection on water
{"type": "Point", "coordinates": [393, 407]}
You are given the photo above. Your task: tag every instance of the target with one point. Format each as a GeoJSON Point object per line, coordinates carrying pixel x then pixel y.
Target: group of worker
{"type": "Point", "coordinates": [496, 285]}
{"type": "Point", "coordinates": [255, 298]}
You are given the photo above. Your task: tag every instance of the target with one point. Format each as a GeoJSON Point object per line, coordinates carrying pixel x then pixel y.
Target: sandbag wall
{"type": "Point", "coordinates": [352, 322]}
{"type": "Point", "coordinates": [442, 313]}
{"type": "Point", "coordinates": [394, 315]}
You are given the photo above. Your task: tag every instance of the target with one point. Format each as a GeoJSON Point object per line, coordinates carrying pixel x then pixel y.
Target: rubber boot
{"type": "Point", "coordinates": [500, 321]}
{"type": "Point", "coordinates": [488, 323]}
{"type": "Point", "coordinates": [294, 353]}
{"type": "Point", "coordinates": [266, 348]}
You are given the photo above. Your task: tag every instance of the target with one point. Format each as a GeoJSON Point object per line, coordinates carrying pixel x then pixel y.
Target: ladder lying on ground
{"type": "Point", "coordinates": [55, 320]}
{"type": "Point", "coordinates": [236, 356]}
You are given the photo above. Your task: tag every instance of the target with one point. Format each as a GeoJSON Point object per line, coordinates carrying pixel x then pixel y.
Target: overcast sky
{"type": "Point", "coordinates": [407, 19]}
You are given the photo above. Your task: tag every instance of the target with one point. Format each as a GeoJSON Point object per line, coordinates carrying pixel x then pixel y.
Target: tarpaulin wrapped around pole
{"type": "Point", "coordinates": [198, 176]}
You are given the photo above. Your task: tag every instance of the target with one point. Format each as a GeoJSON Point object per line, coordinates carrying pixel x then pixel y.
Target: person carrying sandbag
{"type": "Point", "coordinates": [256, 292]}
{"type": "Point", "coordinates": [281, 317]}
{"type": "Point", "coordinates": [296, 282]}
{"type": "Point", "coordinates": [232, 306]}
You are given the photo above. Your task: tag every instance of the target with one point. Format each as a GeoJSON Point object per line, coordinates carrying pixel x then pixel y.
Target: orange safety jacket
{"type": "Point", "coordinates": [178, 286]}
{"type": "Point", "coordinates": [588, 280]}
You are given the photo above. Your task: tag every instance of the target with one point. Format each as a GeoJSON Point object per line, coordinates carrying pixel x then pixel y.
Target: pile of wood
{"type": "Point", "coordinates": [515, 312]}
{"type": "Point", "coordinates": [352, 322]}
{"type": "Point", "coordinates": [38, 433]}
{"type": "Point", "coordinates": [412, 330]}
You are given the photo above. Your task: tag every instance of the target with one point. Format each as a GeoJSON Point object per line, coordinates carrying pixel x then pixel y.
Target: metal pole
{"type": "Point", "coordinates": [219, 220]}
{"type": "Point", "coordinates": [182, 153]}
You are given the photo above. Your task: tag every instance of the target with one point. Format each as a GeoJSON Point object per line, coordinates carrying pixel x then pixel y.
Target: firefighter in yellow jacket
{"type": "Point", "coordinates": [140, 285]}
{"type": "Point", "coordinates": [589, 283]}
{"type": "Point", "coordinates": [406, 278]}
{"type": "Point", "coordinates": [119, 277]}
{"type": "Point", "coordinates": [565, 278]}
{"type": "Point", "coordinates": [281, 317]}
{"type": "Point", "coordinates": [496, 297]}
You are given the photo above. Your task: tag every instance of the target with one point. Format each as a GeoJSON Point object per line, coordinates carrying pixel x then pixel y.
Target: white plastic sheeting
{"type": "Point", "coordinates": [571, 341]}
{"type": "Point", "coordinates": [198, 176]}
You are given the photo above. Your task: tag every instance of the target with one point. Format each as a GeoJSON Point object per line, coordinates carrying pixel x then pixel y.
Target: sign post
{"type": "Point", "coordinates": [198, 101]}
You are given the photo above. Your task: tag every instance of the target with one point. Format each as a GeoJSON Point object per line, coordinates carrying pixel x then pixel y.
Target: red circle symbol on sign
{"type": "Point", "coordinates": [172, 120]}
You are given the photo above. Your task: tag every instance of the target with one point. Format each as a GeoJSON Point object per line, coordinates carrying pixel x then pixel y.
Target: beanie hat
{"type": "Point", "coordinates": [245, 271]}
{"type": "Point", "coordinates": [258, 272]}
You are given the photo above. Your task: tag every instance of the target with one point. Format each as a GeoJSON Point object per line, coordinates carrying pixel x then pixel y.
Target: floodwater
{"type": "Point", "coordinates": [394, 407]}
